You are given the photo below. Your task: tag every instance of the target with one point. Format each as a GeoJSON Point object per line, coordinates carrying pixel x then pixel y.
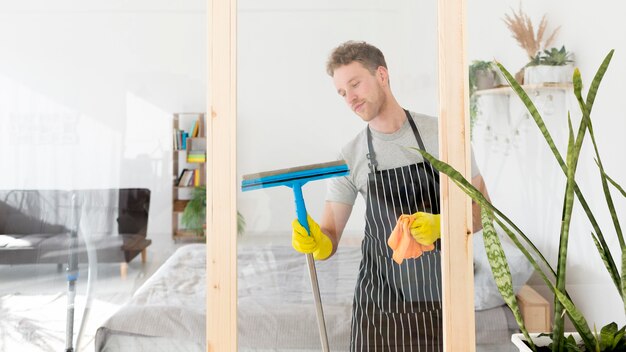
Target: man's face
{"type": "Point", "coordinates": [363, 91]}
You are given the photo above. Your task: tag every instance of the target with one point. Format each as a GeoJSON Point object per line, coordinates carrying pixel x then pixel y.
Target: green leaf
{"type": "Point", "coordinates": [571, 345]}
{"type": "Point", "coordinates": [586, 109]}
{"type": "Point", "coordinates": [572, 157]}
{"type": "Point", "coordinates": [194, 214]}
{"type": "Point", "coordinates": [595, 84]}
{"type": "Point", "coordinates": [471, 191]}
{"type": "Point", "coordinates": [607, 336]}
{"type": "Point", "coordinates": [603, 177]}
{"type": "Point", "coordinates": [479, 198]}
{"type": "Point", "coordinates": [615, 184]}
{"type": "Point", "coordinates": [500, 270]}
{"type": "Point", "coordinates": [615, 276]}
{"type": "Point", "coordinates": [548, 138]}
{"type": "Point", "coordinates": [618, 339]}
{"type": "Point", "coordinates": [585, 124]}
{"type": "Point", "coordinates": [623, 278]}
{"type": "Point", "coordinates": [597, 79]}
{"type": "Point", "coordinates": [578, 320]}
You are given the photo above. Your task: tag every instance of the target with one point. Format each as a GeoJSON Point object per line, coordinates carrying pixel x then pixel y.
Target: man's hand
{"type": "Point", "coordinates": [426, 228]}
{"type": "Point", "coordinates": [317, 243]}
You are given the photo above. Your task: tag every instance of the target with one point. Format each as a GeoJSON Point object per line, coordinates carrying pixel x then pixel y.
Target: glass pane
{"type": "Point", "coordinates": [88, 93]}
{"type": "Point", "coordinates": [521, 173]}
{"type": "Point", "coordinates": [289, 115]}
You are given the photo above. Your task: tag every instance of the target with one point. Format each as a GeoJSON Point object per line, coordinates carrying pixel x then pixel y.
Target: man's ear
{"type": "Point", "coordinates": [382, 74]}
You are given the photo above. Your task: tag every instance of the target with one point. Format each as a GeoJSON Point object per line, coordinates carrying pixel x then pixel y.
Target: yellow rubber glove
{"type": "Point", "coordinates": [318, 243]}
{"type": "Point", "coordinates": [426, 228]}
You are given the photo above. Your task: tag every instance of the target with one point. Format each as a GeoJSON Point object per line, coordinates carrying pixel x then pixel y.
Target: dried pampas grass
{"type": "Point", "coordinates": [522, 30]}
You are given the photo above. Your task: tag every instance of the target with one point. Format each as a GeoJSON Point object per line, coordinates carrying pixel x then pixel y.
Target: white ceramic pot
{"type": "Point", "coordinates": [548, 74]}
{"type": "Point", "coordinates": [518, 340]}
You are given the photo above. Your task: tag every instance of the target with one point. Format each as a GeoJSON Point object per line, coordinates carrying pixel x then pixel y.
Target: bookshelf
{"type": "Point", "coordinates": [188, 168]}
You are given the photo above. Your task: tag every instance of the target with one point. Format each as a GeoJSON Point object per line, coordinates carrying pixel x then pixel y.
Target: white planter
{"type": "Point", "coordinates": [518, 340]}
{"type": "Point", "coordinates": [548, 74]}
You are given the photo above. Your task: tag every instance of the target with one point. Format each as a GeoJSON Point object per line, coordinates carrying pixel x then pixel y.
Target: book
{"type": "Point", "coordinates": [196, 158]}
{"type": "Point", "coordinates": [195, 129]}
{"type": "Point", "coordinates": [184, 137]}
{"type": "Point", "coordinates": [186, 178]}
{"type": "Point", "coordinates": [196, 177]}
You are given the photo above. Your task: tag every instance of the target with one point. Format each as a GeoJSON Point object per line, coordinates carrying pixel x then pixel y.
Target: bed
{"type": "Point", "coordinates": [275, 305]}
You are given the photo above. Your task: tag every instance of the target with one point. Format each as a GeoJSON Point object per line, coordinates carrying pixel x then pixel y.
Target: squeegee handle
{"type": "Point", "coordinates": [300, 207]}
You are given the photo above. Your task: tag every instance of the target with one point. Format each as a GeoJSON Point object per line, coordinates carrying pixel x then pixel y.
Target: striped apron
{"type": "Point", "coordinates": [397, 307]}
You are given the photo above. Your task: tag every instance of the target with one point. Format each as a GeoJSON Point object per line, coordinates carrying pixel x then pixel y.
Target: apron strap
{"type": "Point", "coordinates": [416, 133]}
{"type": "Point", "coordinates": [371, 156]}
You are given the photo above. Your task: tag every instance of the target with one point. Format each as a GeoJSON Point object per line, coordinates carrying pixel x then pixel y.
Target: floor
{"type": "Point", "coordinates": [34, 300]}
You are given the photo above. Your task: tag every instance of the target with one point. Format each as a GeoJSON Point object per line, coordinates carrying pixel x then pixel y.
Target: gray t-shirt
{"type": "Point", "coordinates": [392, 150]}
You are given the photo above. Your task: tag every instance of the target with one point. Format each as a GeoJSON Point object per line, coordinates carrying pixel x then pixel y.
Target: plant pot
{"type": "Point", "coordinates": [485, 79]}
{"type": "Point", "coordinates": [548, 74]}
{"type": "Point", "coordinates": [518, 340]}
{"type": "Point", "coordinates": [519, 76]}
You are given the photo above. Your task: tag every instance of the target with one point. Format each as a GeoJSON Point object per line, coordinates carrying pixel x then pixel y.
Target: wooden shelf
{"type": "Point", "coordinates": [528, 87]}
{"type": "Point", "coordinates": [180, 162]}
{"type": "Point", "coordinates": [188, 236]}
{"type": "Point", "coordinates": [179, 205]}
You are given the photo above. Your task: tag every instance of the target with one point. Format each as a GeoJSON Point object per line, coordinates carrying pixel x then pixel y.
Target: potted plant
{"type": "Point", "coordinates": [534, 43]}
{"type": "Point", "coordinates": [194, 214]}
{"type": "Point", "coordinates": [482, 75]}
{"type": "Point", "coordinates": [550, 66]}
{"type": "Point", "coordinates": [609, 338]}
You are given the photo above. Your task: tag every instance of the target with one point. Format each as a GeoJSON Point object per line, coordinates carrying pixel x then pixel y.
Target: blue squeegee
{"type": "Point", "coordinates": [295, 178]}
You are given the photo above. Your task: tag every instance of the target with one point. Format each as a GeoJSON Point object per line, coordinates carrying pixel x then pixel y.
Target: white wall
{"type": "Point", "coordinates": [87, 89]}
{"type": "Point", "coordinates": [590, 31]}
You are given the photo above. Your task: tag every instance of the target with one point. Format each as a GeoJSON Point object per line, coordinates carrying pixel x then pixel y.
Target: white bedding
{"type": "Point", "coordinates": [275, 305]}
{"type": "Point", "coordinates": [167, 313]}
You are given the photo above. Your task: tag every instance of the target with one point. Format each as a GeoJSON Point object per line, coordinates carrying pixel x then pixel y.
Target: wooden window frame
{"type": "Point", "coordinates": [457, 273]}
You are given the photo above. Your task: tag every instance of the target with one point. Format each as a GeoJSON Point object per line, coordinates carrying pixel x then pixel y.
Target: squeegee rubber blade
{"type": "Point", "coordinates": [300, 174]}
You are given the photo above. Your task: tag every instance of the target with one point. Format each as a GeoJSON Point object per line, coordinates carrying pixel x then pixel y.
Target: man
{"type": "Point", "coordinates": [396, 306]}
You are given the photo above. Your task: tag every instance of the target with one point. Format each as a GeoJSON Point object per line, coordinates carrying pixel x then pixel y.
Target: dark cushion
{"type": "Point", "coordinates": [14, 221]}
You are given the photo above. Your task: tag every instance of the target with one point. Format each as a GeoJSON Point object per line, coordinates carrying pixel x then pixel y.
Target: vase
{"type": "Point", "coordinates": [548, 74]}
{"type": "Point", "coordinates": [485, 79]}
{"type": "Point", "coordinates": [519, 340]}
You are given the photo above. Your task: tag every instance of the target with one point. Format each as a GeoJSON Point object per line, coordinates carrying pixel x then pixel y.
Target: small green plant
{"type": "Point", "coordinates": [534, 60]}
{"type": "Point", "coordinates": [610, 338]}
{"type": "Point", "coordinates": [477, 69]}
{"type": "Point", "coordinates": [556, 57]}
{"type": "Point", "coordinates": [552, 57]}
{"type": "Point", "coordinates": [194, 214]}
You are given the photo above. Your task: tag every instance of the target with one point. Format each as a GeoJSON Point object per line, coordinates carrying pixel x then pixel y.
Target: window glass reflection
{"type": "Point", "coordinates": [88, 93]}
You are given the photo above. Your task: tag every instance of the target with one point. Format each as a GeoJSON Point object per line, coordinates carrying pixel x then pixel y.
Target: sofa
{"type": "Point", "coordinates": [42, 226]}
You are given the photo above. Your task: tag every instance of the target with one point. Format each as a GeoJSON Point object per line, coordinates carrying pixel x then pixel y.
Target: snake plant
{"type": "Point", "coordinates": [610, 338]}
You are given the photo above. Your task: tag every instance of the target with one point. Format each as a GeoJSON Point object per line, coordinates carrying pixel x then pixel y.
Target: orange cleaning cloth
{"type": "Point", "coordinates": [403, 244]}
